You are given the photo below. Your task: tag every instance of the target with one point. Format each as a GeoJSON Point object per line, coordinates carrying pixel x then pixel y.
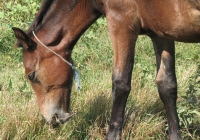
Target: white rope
{"type": "Point", "coordinates": [76, 74]}
{"type": "Point", "coordinates": [52, 50]}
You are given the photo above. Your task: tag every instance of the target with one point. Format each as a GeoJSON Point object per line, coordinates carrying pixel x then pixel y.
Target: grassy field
{"type": "Point", "coordinates": [145, 116]}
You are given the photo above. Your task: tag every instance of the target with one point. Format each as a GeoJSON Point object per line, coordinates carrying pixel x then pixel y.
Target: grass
{"type": "Point", "coordinates": [145, 116]}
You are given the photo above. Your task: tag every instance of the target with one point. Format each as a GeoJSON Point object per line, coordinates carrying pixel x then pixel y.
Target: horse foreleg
{"type": "Point", "coordinates": [123, 43]}
{"type": "Point", "coordinates": [166, 82]}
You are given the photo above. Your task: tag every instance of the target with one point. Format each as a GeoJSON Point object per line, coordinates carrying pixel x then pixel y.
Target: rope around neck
{"type": "Point", "coordinates": [76, 74]}
{"type": "Point", "coordinates": [70, 64]}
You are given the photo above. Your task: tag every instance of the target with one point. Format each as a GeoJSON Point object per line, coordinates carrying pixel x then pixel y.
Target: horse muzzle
{"type": "Point", "coordinates": [58, 119]}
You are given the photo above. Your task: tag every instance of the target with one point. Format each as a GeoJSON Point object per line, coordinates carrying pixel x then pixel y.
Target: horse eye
{"type": "Point", "coordinates": [32, 77]}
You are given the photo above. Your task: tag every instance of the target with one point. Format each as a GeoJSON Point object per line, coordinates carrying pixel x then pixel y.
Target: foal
{"type": "Point", "coordinates": [59, 24]}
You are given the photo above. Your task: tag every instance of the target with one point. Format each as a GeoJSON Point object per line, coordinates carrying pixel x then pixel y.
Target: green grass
{"type": "Point", "coordinates": [145, 116]}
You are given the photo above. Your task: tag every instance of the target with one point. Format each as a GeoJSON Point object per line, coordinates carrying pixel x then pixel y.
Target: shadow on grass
{"type": "Point", "coordinates": [93, 117]}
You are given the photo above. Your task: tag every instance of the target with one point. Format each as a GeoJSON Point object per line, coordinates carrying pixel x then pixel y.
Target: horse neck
{"type": "Point", "coordinates": [63, 27]}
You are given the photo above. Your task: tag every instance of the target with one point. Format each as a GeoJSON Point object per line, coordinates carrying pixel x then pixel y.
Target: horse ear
{"type": "Point", "coordinates": [23, 39]}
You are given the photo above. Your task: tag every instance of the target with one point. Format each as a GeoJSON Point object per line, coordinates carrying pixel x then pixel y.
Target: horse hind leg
{"type": "Point", "coordinates": [166, 82]}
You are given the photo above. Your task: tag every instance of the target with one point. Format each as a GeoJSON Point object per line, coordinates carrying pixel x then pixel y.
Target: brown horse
{"type": "Point", "coordinates": [60, 23]}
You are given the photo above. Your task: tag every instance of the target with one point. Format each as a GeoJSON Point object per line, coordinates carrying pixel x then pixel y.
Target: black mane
{"type": "Point", "coordinates": [195, 4]}
{"type": "Point", "coordinates": [46, 5]}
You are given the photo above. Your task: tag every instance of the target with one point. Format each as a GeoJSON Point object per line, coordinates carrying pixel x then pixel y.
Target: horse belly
{"type": "Point", "coordinates": [189, 33]}
{"type": "Point", "coordinates": [187, 29]}
{"type": "Point", "coordinates": [177, 21]}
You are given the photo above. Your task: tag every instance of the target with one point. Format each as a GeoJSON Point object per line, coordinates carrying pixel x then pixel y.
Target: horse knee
{"type": "Point", "coordinates": [167, 86]}
{"type": "Point", "coordinates": [167, 82]}
{"type": "Point", "coordinates": [120, 87]}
